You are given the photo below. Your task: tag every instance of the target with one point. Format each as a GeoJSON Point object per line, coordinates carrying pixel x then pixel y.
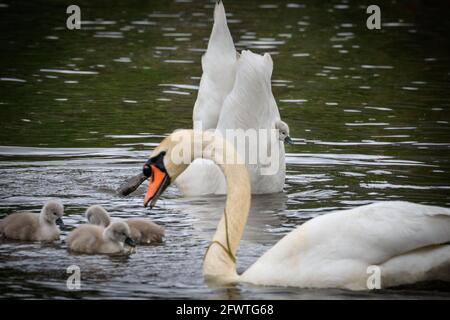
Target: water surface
{"type": "Point", "coordinates": [81, 110]}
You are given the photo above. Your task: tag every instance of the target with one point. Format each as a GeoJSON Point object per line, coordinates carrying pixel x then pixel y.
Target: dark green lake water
{"type": "Point", "coordinates": [80, 110]}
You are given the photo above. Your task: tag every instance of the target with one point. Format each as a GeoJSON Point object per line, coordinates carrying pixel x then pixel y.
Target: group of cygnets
{"type": "Point", "coordinates": [101, 235]}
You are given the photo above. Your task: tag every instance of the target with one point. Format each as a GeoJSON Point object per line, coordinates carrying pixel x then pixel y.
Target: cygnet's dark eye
{"type": "Point", "coordinates": [283, 132]}
{"type": "Point", "coordinates": [55, 214]}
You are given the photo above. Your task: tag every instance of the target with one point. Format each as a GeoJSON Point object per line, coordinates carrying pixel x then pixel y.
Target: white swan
{"type": "Point", "coordinates": [234, 93]}
{"type": "Point", "coordinates": [408, 242]}
{"type": "Point", "coordinates": [250, 107]}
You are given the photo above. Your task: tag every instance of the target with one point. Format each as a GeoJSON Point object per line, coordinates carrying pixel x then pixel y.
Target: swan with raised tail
{"type": "Point", "coordinates": [235, 94]}
{"type": "Point", "coordinates": [219, 71]}
{"type": "Point", "coordinates": [407, 242]}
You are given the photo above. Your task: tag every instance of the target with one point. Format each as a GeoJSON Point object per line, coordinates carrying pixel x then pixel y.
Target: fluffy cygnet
{"type": "Point", "coordinates": [93, 239]}
{"type": "Point", "coordinates": [143, 231]}
{"type": "Point", "coordinates": [30, 226]}
{"type": "Point", "coordinates": [283, 132]}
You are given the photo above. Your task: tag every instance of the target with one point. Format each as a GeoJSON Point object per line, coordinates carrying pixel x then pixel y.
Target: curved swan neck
{"type": "Point", "coordinates": [219, 263]}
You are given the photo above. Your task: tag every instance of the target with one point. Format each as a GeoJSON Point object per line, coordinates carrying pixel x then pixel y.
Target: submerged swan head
{"type": "Point", "coordinates": [52, 212]}
{"type": "Point", "coordinates": [283, 132]}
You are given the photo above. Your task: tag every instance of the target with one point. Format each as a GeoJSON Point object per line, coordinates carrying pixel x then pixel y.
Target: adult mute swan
{"type": "Point", "coordinates": [251, 108]}
{"type": "Point", "coordinates": [406, 241]}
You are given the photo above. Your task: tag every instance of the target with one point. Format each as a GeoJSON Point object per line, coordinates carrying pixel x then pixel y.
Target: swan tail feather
{"type": "Point", "coordinates": [220, 41]}
{"type": "Point", "coordinates": [219, 13]}
{"type": "Point", "coordinates": [219, 69]}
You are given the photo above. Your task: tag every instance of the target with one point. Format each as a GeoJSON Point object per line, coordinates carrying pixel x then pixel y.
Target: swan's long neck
{"type": "Point", "coordinates": [219, 262]}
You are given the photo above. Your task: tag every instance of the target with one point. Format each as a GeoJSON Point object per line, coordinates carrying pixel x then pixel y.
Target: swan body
{"type": "Point", "coordinates": [142, 231]}
{"type": "Point", "coordinates": [405, 240]}
{"type": "Point", "coordinates": [408, 242]}
{"type": "Point", "coordinates": [28, 226]}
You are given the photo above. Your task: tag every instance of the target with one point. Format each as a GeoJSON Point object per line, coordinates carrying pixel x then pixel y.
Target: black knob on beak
{"type": "Point", "coordinates": [147, 171]}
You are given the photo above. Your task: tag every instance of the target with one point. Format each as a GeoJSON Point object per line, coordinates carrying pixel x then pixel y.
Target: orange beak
{"type": "Point", "coordinates": [158, 182]}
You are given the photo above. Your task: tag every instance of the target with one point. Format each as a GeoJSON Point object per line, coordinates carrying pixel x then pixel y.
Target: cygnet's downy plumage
{"type": "Point", "coordinates": [91, 239]}
{"type": "Point", "coordinates": [143, 231]}
{"type": "Point", "coordinates": [29, 226]}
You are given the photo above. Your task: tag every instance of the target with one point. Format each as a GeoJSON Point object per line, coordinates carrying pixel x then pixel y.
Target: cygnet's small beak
{"type": "Point", "coordinates": [60, 223]}
{"type": "Point", "coordinates": [288, 140]}
{"type": "Point", "coordinates": [130, 242]}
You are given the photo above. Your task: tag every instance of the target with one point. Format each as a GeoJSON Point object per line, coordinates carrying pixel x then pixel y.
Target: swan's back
{"type": "Point", "coordinates": [380, 231]}
{"type": "Point", "coordinates": [218, 65]}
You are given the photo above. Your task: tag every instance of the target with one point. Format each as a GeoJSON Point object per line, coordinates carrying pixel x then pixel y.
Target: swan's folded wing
{"type": "Point", "coordinates": [372, 234]}
{"type": "Point", "coordinates": [377, 232]}
{"type": "Point", "coordinates": [425, 264]}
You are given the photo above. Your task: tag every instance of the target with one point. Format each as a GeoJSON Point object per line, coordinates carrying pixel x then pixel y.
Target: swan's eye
{"type": "Point", "coordinates": [147, 171]}
{"type": "Point", "coordinates": [283, 132]}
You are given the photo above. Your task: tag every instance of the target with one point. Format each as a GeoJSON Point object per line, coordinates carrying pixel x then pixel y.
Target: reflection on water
{"type": "Point", "coordinates": [80, 110]}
